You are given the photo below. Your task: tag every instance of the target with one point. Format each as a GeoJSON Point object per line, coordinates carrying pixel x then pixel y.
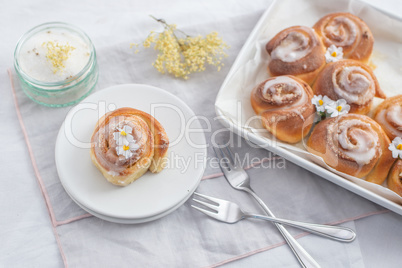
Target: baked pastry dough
{"type": "Point", "coordinates": [395, 177]}
{"type": "Point", "coordinates": [389, 115]}
{"type": "Point", "coordinates": [353, 144]}
{"type": "Point", "coordinates": [347, 31]}
{"type": "Point", "coordinates": [284, 104]}
{"type": "Point", "coordinates": [126, 143]}
{"type": "Point", "coordinates": [350, 80]}
{"type": "Point", "coordinates": [296, 51]}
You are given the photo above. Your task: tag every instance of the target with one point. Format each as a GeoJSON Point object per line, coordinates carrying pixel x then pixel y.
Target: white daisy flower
{"type": "Point", "coordinates": [396, 147]}
{"type": "Point", "coordinates": [333, 54]}
{"type": "Point", "coordinates": [123, 133]}
{"type": "Point", "coordinates": [320, 102]}
{"type": "Point", "coordinates": [338, 107]}
{"type": "Point", "coordinates": [126, 144]}
{"type": "Point", "coordinates": [127, 148]}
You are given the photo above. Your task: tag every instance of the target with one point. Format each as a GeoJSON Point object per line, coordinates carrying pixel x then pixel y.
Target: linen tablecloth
{"type": "Point", "coordinates": [184, 237]}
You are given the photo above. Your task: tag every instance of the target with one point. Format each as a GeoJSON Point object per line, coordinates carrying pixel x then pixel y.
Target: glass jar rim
{"type": "Point", "coordinates": [66, 84]}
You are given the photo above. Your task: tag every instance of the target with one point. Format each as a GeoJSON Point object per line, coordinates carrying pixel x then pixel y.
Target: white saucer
{"type": "Point", "coordinates": [129, 221]}
{"type": "Point", "coordinates": [151, 196]}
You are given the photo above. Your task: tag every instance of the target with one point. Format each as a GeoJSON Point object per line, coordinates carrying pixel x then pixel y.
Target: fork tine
{"type": "Point", "coordinates": [209, 213]}
{"type": "Point", "coordinates": [216, 200]}
{"type": "Point", "coordinates": [230, 153]}
{"type": "Point", "coordinates": [218, 152]}
{"type": "Point", "coordinates": [229, 162]}
{"type": "Point", "coordinates": [206, 204]}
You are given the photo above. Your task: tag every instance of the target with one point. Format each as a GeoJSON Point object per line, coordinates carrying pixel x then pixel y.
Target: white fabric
{"type": "Point", "coordinates": [185, 237]}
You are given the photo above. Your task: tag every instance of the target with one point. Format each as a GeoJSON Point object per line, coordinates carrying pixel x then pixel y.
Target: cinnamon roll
{"type": "Point", "coordinates": [395, 177]}
{"type": "Point", "coordinates": [353, 144]}
{"type": "Point", "coordinates": [284, 104]}
{"type": "Point", "coordinates": [347, 31]}
{"type": "Point", "coordinates": [389, 115]}
{"type": "Point", "coordinates": [126, 143]}
{"type": "Point", "coordinates": [350, 80]}
{"type": "Point", "coordinates": [296, 51]}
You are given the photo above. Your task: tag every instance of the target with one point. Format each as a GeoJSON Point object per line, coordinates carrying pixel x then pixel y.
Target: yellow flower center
{"type": "Point", "coordinates": [339, 108]}
{"type": "Point", "coordinates": [320, 102]}
{"type": "Point", "coordinates": [123, 133]}
{"type": "Point", "coordinates": [125, 147]}
{"type": "Point", "coordinates": [333, 54]}
{"type": "Point", "coordinates": [399, 147]}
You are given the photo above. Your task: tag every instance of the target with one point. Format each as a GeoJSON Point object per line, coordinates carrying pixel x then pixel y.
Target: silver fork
{"type": "Point", "coordinates": [230, 212]}
{"type": "Point", "coordinates": [239, 179]}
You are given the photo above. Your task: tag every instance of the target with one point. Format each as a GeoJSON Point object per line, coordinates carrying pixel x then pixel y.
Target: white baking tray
{"type": "Point", "coordinates": [233, 105]}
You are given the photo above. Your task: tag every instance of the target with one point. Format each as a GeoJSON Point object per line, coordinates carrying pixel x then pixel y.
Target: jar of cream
{"type": "Point", "coordinates": [56, 64]}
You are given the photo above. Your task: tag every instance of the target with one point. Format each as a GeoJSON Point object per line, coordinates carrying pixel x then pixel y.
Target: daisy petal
{"type": "Point", "coordinates": [129, 138]}
{"type": "Point", "coordinates": [128, 129]}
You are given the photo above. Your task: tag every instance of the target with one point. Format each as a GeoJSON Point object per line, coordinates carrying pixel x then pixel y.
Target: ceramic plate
{"type": "Point", "coordinates": [130, 221]}
{"type": "Point", "coordinates": [152, 195]}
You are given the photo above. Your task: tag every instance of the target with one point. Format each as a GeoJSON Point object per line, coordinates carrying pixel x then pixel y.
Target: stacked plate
{"type": "Point", "coordinates": [153, 195]}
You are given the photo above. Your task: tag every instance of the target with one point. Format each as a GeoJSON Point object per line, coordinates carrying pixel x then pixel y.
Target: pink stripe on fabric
{"type": "Point", "coordinates": [296, 237]}
{"type": "Point", "coordinates": [212, 176]}
{"type": "Point", "coordinates": [37, 174]}
{"type": "Point", "coordinates": [87, 215]}
{"type": "Point", "coordinates": [38, 177]}
{"type": "Point", "coordinates": [63, 256]}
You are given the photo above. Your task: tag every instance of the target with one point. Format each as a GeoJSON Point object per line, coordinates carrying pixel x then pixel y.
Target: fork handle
{"type": "Point", "coordinates": [333, 232]}
{"type": "Point", "coordinates": [301, 254]}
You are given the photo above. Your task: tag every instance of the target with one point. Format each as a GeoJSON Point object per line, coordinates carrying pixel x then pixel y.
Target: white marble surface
{"type": "Point", "coordinates": [27, 239]}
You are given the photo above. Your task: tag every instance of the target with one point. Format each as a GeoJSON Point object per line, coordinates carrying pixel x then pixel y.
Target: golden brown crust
{"type": "Point", "coordinates": [290, 119]}
{"type": "Point", "coordinates": [350, 80]}
{"type": "Point", "coordinates": [366, 152]}
{"type": "Point", "coordinates": [395, 177]}
{"type": "Point", "coordinates": [389, 115]}
{"type": "Point", "coordinates": [311, 60]}
{"type": "Point", "coordinates": [150, 135]}
{"type": "Point", "coordinates": [347, 31]}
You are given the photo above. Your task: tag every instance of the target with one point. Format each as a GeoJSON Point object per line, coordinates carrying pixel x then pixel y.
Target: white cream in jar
{"type": "Point", "coordinates": [54, 55]}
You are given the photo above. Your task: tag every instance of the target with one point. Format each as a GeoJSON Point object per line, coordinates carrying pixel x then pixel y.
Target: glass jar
{"type": "Point", "coordinates": [62, 92]}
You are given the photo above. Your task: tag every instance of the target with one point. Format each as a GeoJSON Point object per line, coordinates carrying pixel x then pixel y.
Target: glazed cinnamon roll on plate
{"type": "Point", "coordinates": [353, 144]}
{"type": "Point", "coordinates": [120, 133]}
{"type": "Point", "coordinates": [347, 31]}
{"type": "Point", "coordinates": [126, 143]}
{"type": "Point", "coordinates": [389, 115]}
{"type": "Point", "coordinates": [284, 104]}
{"type": "Point", "coordinates": [296, 51]}
{"type": "Point", "coordinates": [350, 80]}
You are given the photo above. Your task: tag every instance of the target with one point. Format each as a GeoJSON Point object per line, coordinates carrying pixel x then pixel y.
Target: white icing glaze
{"type": "Point", "coordinates": [392, 114]}
{"type": "Point", "coordinates": [341, 31]}
{"type": "Point", "coordinates": [113, 173]}
{"type": "Point", "coordinates": [292, 48]}
{"type": "Point", "coordinates": [294, 92]}
{"type": "Point", "coordinates": [363, 150]}
{"type": "Point", "coordinates": [106, 149]}
{"type": "Point", "coordinates": [354, 84]}
{"type": "Point", "coordinates": [277, 94]}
